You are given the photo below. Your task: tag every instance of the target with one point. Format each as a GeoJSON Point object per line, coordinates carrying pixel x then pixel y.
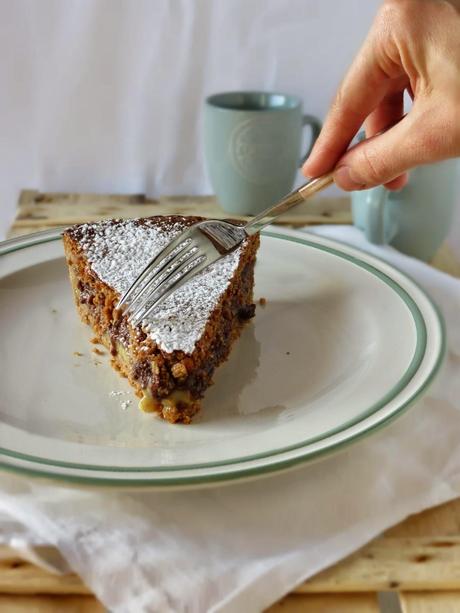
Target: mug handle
{"type": "Point", "coordinates": [315, 126]}
{"type": "Point", "coordinates": [374, 226]}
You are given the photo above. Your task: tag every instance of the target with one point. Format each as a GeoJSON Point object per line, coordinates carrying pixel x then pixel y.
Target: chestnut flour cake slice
{"type": "Point", "coordinates": [169, 359]}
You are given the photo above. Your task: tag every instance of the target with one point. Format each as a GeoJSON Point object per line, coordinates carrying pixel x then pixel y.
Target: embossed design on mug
{"type": "Point", "coordinates": [256, 150]}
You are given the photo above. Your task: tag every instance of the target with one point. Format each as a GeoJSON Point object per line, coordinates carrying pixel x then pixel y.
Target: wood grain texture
{"type": "Point", "coordinates": [441, 521]}
{"type": "Point", "coordinates": [444, 602]}
{"type": "Point", "coordinates": [50, 604]}
{"type": "Point", "coordinates": [38, 211]}
{"type": "Point", "coordinates": [404, 563]}
{"type": "Point", "coordinates": [18, 576]}
{"type": "Point", "coordinates": [326, 603]}
{"type": "Point", "coordinates": [428, 563]}
{"type": "Point", "coordinates": [42, 210]}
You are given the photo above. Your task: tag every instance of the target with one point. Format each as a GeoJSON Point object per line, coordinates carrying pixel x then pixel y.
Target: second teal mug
{"type": "Point", "coordinates": [416, 219]}
{"type": "Point", "coordinates": [252, 146]}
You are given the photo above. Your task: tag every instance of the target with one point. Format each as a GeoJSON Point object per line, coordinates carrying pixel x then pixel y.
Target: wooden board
{"type": "Point", "coordinates": [38, 211]}
{"type": "Point", "coordinates": [419, 558]}
{"type": "Point", "coordinates": [444, 602]}
{"type": "Point", "coordinates": [326, 603]}
{"type": "Point", "coordinates": [50, 604]}
{"type": "Point", "coordinates": [420, 554]}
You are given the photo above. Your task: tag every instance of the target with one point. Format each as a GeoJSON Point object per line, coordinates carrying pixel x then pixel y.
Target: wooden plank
{"type": "Point", "coordinates": [50, 604]}
{"type": "Point", "coordinates": [444, 602]}
{"type": "Point", "coordinates": [37, 211]}
{"type": "Point", "coordinates": [440, 521]}
{"type": "Point", "coordinates": [22, 577]}
{"type": "Point", "coordinates": [405, 563]}
{"type": "Point", "coordinates": [326, 603]}
{"type": "Point", "coordinates": [40, 211]}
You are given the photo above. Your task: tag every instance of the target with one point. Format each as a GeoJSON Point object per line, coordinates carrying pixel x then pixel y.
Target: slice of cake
{"type": "Point", "coordinates": [170, 358]}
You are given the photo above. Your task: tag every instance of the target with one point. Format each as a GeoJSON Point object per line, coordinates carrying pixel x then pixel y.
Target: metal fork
{"type": "Point", "coordinates": [196, 248]}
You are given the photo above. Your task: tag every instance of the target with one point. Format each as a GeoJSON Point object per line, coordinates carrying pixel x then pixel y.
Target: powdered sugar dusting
{"type": "Point", "coordinates": [117, 254]}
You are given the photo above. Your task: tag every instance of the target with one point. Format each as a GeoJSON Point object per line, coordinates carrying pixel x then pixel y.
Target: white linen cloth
{"type": "Point", "coordinates": [241, 547]}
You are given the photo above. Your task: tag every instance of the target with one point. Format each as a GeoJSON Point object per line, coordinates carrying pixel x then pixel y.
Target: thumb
{"type": "Point", "coordinates": [417, 139]}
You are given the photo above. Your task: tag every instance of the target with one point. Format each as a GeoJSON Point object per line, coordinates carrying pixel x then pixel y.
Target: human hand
{"type": "Point", "coordinates": [413, 45]}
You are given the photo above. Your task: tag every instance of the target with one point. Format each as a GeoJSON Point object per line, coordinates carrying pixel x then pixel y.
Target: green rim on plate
{"type": "Point", "coordinates": [240, 471]}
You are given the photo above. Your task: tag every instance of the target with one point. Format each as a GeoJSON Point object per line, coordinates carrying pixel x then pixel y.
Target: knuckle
{"type": "Point", "coordinates": [338, 102]}
{"type": "Point", "coordinates": [396, 12]}
{"type": "Point", "coordinates": [386, 13]}
{"type": "Point", "coordinates": [342, 113]}
{"type": "Point", "coordinates": [396, 18]}
{"type": "Point", "coordinates": [373, 168]}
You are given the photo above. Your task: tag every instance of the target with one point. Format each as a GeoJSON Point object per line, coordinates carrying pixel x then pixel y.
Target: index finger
{"type": "Point", "coordinates": [363, 87]}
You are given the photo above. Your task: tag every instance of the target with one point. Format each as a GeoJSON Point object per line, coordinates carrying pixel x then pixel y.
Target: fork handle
{"type": "Point", "coordinates": [299, 195]}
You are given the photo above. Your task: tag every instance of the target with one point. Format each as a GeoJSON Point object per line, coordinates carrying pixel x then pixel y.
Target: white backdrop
{"type": "Point", "coordinates": [106, 95]}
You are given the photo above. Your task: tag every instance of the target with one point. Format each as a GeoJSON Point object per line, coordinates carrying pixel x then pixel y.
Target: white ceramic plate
{"type": "Point", "coordinates": [344, 344]}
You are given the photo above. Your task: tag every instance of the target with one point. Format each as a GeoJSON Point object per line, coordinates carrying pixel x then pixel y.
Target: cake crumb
{"type": "Point", "coordinates": [95, 341]}
{"type": "Point", "coordinates": [114, 393]}
{"type": "Point", "coordinates": [54, 311]}
{"type": "Point", "coordinates": [97, 362]}
{"type": "Point", "coordinates": [98, 351]}
{"type": "Point", "coordinates": [262, 301]}
{"type": "Point", "coordinates": [125, 404]}
{"type": "Point", "coordinates": [78, 354]}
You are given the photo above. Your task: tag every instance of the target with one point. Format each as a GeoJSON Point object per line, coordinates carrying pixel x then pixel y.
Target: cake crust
{"type": "Point", "coordinates": [170, 376]}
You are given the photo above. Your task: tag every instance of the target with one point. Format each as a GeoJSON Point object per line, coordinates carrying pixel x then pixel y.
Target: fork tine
{"type": "Point", "coordinates": [162, 255]}
{"type": "Point", "coordinates": [195, 266]}
{"type": "Point", "coordinates": [174, 266]}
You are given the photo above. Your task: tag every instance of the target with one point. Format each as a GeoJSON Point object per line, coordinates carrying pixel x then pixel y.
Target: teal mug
{"type": "Point", "coordinates": [252, 143]}
{"type": "Point", "coordinates": [416, 219]}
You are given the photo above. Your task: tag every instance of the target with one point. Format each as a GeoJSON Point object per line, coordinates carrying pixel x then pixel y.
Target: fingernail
{"type": "Point", "coordinates": [345, 178]}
